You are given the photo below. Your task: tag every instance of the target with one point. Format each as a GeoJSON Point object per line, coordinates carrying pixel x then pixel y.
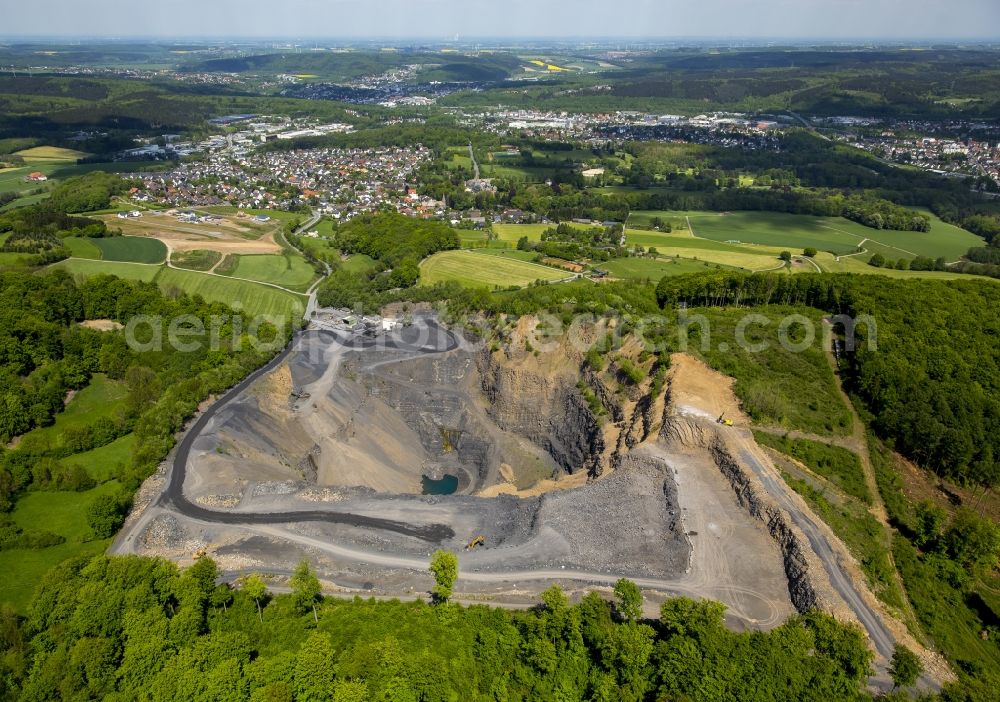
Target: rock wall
{"type": "Point", "coordinates": [790, 541]}
{"type": "Point", "coordinates": [547, 410]}
{"type": "Point", "coordinates": [690, 432]}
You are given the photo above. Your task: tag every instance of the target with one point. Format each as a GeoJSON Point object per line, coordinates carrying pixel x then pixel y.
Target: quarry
{"type": "Point", "coordinates": [364, 454]}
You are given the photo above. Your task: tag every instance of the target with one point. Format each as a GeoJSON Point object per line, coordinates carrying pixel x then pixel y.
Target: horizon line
{"type": "Point", "coordinates": [437, 39]}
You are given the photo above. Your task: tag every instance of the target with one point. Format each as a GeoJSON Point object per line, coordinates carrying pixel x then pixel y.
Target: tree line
{"type": "Point", "coordinates": [139, 628]}
{"type": "Point", "coordinates": [932, 384]}
{"type": "Point", "coordinates": [45, 353]}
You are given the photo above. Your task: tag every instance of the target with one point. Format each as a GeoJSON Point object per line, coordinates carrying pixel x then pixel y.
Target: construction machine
{"type": "Point", "coordinates": [476, 542]}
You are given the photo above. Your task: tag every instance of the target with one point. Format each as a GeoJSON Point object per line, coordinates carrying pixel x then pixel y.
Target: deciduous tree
{"type": "Point", "coordinates": [444, 566]}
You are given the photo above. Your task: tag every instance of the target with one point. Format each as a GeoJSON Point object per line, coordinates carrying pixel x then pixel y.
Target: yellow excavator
{"type": "Point", "coordinates": [202, 552]}
{"type": "Point", "coordinates": [476, 542]}
{"type": "Point", "coordinates": [723, 421]}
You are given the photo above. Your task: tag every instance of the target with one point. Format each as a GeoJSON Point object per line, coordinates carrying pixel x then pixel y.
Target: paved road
{"type": "Point", "coordinates": [311, 293]}
{"type": "Point", "coordinates": [173, 495]}
{"type": "Point", "coordinates": [475, 166]}
{"type": "Point", "coordinates": [808, 125]}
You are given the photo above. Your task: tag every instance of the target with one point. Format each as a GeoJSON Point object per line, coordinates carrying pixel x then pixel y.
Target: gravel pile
{"type": "Point", "coordinates": [166, 532]}
{"type": "Point", "coordinates": [629, 522]}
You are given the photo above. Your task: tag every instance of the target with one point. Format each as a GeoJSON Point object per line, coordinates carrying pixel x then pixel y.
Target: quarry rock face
{"type": "Point", "coordinates": [547, 410]}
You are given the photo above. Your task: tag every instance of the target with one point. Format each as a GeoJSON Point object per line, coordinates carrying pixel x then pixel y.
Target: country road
{"type": "Point", "coordinates": [475, 165]}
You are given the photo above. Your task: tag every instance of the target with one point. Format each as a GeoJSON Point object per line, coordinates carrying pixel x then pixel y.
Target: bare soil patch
{"type": "Point", "coordinates": [102, 324]}
{"type": "Point", "coordinates": [697, 389]}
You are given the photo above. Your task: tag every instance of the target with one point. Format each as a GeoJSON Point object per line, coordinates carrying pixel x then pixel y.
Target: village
{"type": "Point", "coordinates": [339, 183]}
{"type": "Point", "coordinates": [947, 155]}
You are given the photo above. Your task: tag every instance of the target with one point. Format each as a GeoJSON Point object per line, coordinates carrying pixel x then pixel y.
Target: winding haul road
{"type": "Point", "coordinates": [881, 637]}
{"type": "Point", "coordinates": [173, 495]}
{"type": "Point", "coordinates": [270, 523]}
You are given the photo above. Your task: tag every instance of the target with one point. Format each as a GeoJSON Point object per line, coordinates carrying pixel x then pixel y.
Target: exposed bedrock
{"type": "Point", "coordinates": [688, 432]}
{"type": "Point", "coordinates": [797, 567]}
{"type": "Point", "coordinates": [546, 409]}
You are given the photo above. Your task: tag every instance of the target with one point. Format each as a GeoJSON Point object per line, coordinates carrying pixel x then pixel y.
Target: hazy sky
{"type": "Point", "coordinates": [439, 19]}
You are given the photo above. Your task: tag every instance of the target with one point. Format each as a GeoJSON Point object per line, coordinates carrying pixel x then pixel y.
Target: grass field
{"type": "Point", "coordinates": [833, 234]}
{"type": "Point", "coordinates": [777, 385]}
{"type": "Point", "coordinates": [63, 513]}
{"type": "Point", "coordinates": [102, 463]}
{"type": "Point", "coordinates": [132, 249]}
{"type": "Point", "coordinates": [838, 465]}
{"type": "Point", "coordinates": [9, 258]}
{"type": "Point", "coordinates": [683, 244]}
{"type": "Point", "coordinates": [325, 227]}
{"type": "Point", "coordinates": [101, 398]}
{"type": "Point", "coordinates": [654, 269]}
{"type": "Point", "coordinates": [131, 271]}
{"type": "Point", "coordinates": [474, 269]}
{"type": "Point", "coordinates": [50, 154]}
{"type": "Point", "coordinates": [255, 299]}
{"type": "Point", "coordinates": [197, 260]}
{"type": "Point", "coordinates": [82, 247]}
{"type": "Point", "coordinates": [793, 232]}
{"type": "Point", "coordinates": [942, 240]}
{"type": "Point", "coordinates": [288, 270]}
{"type": "Point", "coordinates": [531, 174]}
{"type": "Point", "coordinates": [470, 237]}
{"type": "Point", "coordinates": [512, 232]}
{"type": "Point", "coordinates": [21, 570]}
{"type": "Point", "coordinates": [528, 256]}
{"type": "Point", "coordinates": [13, 178]}
{"type": "Point", "coordinates": [359, 263]}
{"type": "Point", "coordinates": [859, 264]}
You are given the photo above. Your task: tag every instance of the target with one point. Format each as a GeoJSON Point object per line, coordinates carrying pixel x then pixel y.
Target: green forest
{"type": "Point", "coordinates": [46, 354]}
{"type": "Point", "coordinates": [133, 628]}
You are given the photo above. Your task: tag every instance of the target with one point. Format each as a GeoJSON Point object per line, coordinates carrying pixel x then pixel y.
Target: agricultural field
{"type": "Point", "coordinates": [512, 232]}
{"type": "Point", "coordinates": [50, 154]}
{"type": "Point", "coordinates": [683, 244]}
{"type": "Point", "coordinates": [471, 238]}
{"type": "Point", "coordinates": [131, 249]}
{"type": "Point", "coordinates": [836, 235]}
{"type": "Point", "coordinates": [196, 260]}
{"type": "Point", "coordinates": [255, 299]}
{"type": "Point", "coordinates": [12, 179]}
{"type": "Point", "coordinates": [859, 264]}
{"type": "Point", "coordinates": [654, 269]}
{"type": "Point", "coordinates": [472, 269]}
{"type": "Point", "coordinates": [131, 271]}
{"type": "Point", "coordinates": [231, 234]}
{"type": "Point", "coordinates": [82, 247]}
{"type": "Point", "coordinates": [530, 174]}
{"type": "Point", "coordinates": [528, 256]}
{"type": "Point", "coordinates": [287, 270]}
